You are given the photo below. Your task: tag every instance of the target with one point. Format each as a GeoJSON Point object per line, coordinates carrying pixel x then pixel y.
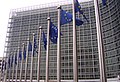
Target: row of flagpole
{"type": "Point", "coordinates": [12, 65]}
{"type": "Point", "coordinates": [75, 67]}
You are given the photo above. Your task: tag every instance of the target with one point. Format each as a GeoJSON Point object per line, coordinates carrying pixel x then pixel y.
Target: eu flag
{"type": "Point", "coordinates": [53, 33]}
{"type": "Point", "coordinates": [12, 60]}
{"type": "Point", "coordinates": [30, 46]}
{"type": "Point", "coordinates": [16, 59]}
{"type": "Point", "coordinates": [2, 66]}
{"type": "Point", "coordinates": [77, 6]}
{"type": "Point", "coordinates": [9, 62]}
{"type": "Point", "coordinates": [104, 2]}
{"type": "Point", "coordinates": [24, 54]}
{"type": "Point", "coordinates": [5, 65]}
{"type": "Point", "coordinates": [35, 45]}
{"type": "Point", "coordinates": [20, 55]}
{"type": "Point", "coordinates": [44, 40]}
{"type": "Point", "coordinates": [66, 17]}
{"type": "Point", "coordinates": [78, 9]}
{"type": "Point", "coordinates": [78, 22]}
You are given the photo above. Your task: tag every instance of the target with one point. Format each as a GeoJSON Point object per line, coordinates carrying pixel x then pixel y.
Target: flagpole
{"type": "Point", "coordinates": [75, 67]}
{"type": "Point", "coordinates": [59, 48]}
{"type": "Point", "coordinates": [9, 69]}
{"type": "Point", "coordinates": [17, 65]}
{"type": "Point", "coordinates": [47, 53]}
{"type": "Point", "coordinates": [39, 55]}
{"type": "Point", "coordinates": [3, 60]}
{"type": "Point", "coordinates": [26, 60]}
{"type": "Point", "coordinates": [2, 73]}
{"type": "Point", "coordinates": [5, 79]}
{"type": "Point", "coordinates": [22, 62]}
{"type": "Point", "coordinates": [100, 43]}
{"type": "Point", "coordinates": [31, 71]}
{"type": "Point", "coordinates": [13, 68]}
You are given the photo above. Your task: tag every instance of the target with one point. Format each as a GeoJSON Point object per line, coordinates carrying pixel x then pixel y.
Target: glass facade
{"type": "Point", "coordinates": [111, 34]}
{"type": "Point", "coordinates": [22, 23]}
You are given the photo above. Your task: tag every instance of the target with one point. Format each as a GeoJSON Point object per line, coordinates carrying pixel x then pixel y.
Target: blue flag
{"type": "Point", "coordinates": [12, 59]}
{"type": "Point", "coordinates": [16, 59]}
{"type": "Point", "coordinates": [53, 33]}
{"type": "Point", "coordinates": [30, 46]}
{"type": "Point", "coordinates": [44, 40]}
{"type": "Point", "coordinates": [5, 65]}
{"type": "Point", "coordinates": [67, 17]}
{"type": "Point", "coordinates": [24, 54]}
{"type": "Point", "coordinates": [78, 22]}
{"type": "Point", "coordinates": [78, 9]}
{"type": "Point", "coordinates": [20, 55]}
{"type": "Point", "coordinates": [9, 62]}
{"type": "Point", "coordinates": [104, 2]}
{"type": "Point", "coordinates": [2, 66]}
{"type": "Point", "coordinates": [35, 45]}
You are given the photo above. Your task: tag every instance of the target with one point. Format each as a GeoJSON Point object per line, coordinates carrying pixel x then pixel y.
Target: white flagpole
{"type": "Point", "coordinates": [32, 55]}
{"type": "Point", "coordinates": [13, 67]}
{"type": "Point", "coordinates": [10, 69]}
{"type": "Point", "coordinates": [75, 67]}
{"type": "Point", "coordinates": [2, 73]}
{"type": "Point", "coordinates": [17, 65]}
{"type": "Point", "coordinates": [21, 68]}
{"type": "Point", "coordinates": [26, 60]}
{"type": "Point", "coordinates": [100, 43]}
{"type": "Point", "coordinates": [5, 78]}
{"type": "Point", "coordinates": [47, 53]}
{"type": "Point", "coordinates": [39, 55]}
{"type": "Point", "coordinates": [59, 48]}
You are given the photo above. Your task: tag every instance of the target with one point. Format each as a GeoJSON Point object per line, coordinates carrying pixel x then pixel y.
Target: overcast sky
{"type": "Point", "coordinates": [6, 6]}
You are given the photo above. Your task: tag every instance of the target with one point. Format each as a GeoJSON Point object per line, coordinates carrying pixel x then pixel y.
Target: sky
{"type": "Point", "coordinates": [6, 6]}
